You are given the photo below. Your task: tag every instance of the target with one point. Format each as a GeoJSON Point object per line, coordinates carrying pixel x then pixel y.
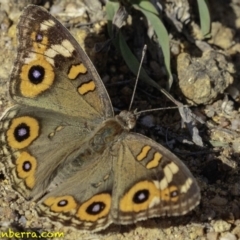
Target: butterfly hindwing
{"type": "Point", "coordinates": [35, 142]}
{"type": "Point", "coordinates": [83, 201]}
{"type": "Point", "coordinates": [161, 185]}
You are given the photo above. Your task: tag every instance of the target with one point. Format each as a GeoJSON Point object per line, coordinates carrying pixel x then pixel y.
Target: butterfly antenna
{"type": "Point", "coordinates": [179, 105]}
{"type": "Point", "coordinates": [139, 69]}
{"type": "Point", "coordinates": [158, 109]}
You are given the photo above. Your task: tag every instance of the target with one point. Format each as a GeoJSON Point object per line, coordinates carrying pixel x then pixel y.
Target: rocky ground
{"type": "Point", "coordinates": [206, 77]}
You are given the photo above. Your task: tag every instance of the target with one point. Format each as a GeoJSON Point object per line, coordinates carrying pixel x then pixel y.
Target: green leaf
{"type": "Point", "coordinates": [120, 43]}
{"type": "Point", "coordinates": [133, 64]}
{"type": "Point", "coordinates": [205, 19]}
{"type": "Point", "coordinates": [152, 15]}
{"type": "Point", "coordinates": [111, 8]}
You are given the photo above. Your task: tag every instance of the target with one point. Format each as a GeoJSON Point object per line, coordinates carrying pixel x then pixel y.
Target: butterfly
{"type": "Point", "coordinates": [63, 147]}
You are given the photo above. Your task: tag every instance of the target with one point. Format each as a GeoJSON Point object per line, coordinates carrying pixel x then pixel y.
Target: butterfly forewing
{"type": "Point", "coordinates": [51, 70]}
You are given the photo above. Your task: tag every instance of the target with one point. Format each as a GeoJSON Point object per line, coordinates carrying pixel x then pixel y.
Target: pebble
{"type": "Point", "coordinates": [221, 226]}
{"type": "Point", "coordinates": [212, 236]}
{"type": "Point", "coordinates": [28, 215]}
{"type": "Point", "coordinates": [235, 210]}
{"type": "Point", "coordinates": [235, 189]}
{"type": "Point", "coordinates": [236, 231]}
{"type": "Point", "coordinates": [22, 220]}
{"type": "Point", "coordinates": [197, 231]}
{"type": "Point", "coordinates": [148, 121]}
{"type": "Point", "coordinates": [55, 9]}
{"type": "Point", "coordinates": [228, 236]}
{"type": "Point", "coordinates": [219, 201]}
{"type": "Point", "coordinates": [208, 215]}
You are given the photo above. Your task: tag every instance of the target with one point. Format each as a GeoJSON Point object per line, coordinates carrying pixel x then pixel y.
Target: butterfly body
{"type": "Point", "coordinates": [63, 147]}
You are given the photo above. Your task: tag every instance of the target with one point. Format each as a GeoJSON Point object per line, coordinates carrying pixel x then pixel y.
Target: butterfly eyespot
{"type": "Point", "coordinates": [174, 194]}
{"type": "Point", "coordinates": [22, 132]}
{"type": "Point", "coordinates": [27, 166]}
{"type": "Point", "coordinates": [95, 208]}
{"type": "Point", "coordinates": [39, 37]}
{"type": "Point", "coordinates": [36, 74]}
{"type": "Point", "coordinates": [170, 194]}
{"type": "Point", "coordinates": [141, 196]}
{"type": "Point", "coordinates": [63, 203]}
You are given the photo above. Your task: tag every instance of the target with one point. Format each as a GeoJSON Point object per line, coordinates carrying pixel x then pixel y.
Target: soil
{"type": "Point", "coordinates": [206, 78]}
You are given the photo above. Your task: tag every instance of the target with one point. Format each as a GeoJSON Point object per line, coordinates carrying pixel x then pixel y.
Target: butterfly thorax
{"type": "Point", "coordinates": [126, 119]}
{"type": "Point", "coordinates": [111, 130]}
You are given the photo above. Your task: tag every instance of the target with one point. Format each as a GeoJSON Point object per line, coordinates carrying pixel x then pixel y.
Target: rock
{"type": "Point", "coordinates": [228, 236]}
{"type": "Point", "coordinates": [219, 201]}
{"type": "Point", "coordinates": [221, 226]}
{"type": "Point", "coordinates": [212, 236]}
{"type": "Point", "coordinates": [202, 79]}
